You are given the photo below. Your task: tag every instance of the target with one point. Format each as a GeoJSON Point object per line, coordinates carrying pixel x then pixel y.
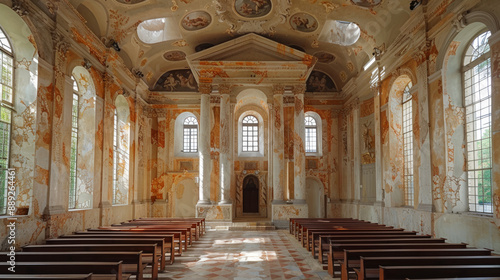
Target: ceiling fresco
{"type": "Point", "coordinates": [155, 36]}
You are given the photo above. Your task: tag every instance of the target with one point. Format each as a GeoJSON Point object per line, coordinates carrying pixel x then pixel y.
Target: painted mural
{"type": "Point", "coordinates": [366, 3]}
{"type": "Point", "coordinates": [320, 82]}
{"type": "Point", "coordinates": [303, 22]}
{"type": "Point", "coordinates": [196, 20]}
{"type": "Point", "coordinates": [324, 57]}
{"type": "Point", "coordinates": [252, 8]}
{"type": "Point", "coordinates": [174, 56]}
{"type": "Point", "coordinates": [177, 80]}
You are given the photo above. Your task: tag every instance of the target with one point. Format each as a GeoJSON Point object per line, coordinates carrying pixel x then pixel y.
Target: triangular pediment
{"type": "Point", "coordinates": [250, 47]}
{"type": "Point", "coordinates": [251, 59]}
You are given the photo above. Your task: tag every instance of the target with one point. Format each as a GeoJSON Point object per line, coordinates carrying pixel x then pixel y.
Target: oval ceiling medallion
{"type": "Point", "coordinates": [324, 57]}
{"type": "Point", "coordinates": [303, 22]}
{"type": "Point", "coordinates": [252, 8]}
{"type": "Point", "coordinates": [366, 3]}
{"type": "Point", "coordinates": [196, 20]}
{"type": "Point", "coordinates": [174, 56]}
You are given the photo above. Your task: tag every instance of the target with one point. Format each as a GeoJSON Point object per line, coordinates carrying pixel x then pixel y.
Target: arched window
{"type": "Point", "coordinates": [311, 135]}
{"type": "Point", "coordinates": [6, 106]}
{"type": "Point", "coordinates": [408, 145]}
{"type": "Point", "coordinates": [74, 147]}
{"type": "Point", "coordinates": [250, 140]}
{"type": "Point", "coordinates": [477, 101]}
{"type": "Point", "coordinates": [190, 135]}
{"type": "Point", "coordinates": [116, 145]}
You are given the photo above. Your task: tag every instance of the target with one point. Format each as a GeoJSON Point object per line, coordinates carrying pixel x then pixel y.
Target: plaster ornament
{"type": "Point", "coordinates": [252, 8]}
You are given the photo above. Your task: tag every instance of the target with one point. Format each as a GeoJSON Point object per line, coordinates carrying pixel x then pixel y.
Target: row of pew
{"type": "Point", "coordinates": [351, 248]}
{"type": "Point", "coordinates": [113, 252]}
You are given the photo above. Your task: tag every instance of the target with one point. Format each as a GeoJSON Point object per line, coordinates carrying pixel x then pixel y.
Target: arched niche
{"type": "Point", "coordinates": [315, 198]}
{"type": "Point", "coordinates": [121, 190]}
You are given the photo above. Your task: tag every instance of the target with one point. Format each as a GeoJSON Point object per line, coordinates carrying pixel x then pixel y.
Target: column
{"type": "Point", "coordinates": [299, 153]}
{"type": "Point", "coordinates": [279, 172]}
{"type": "Point", "coordinates": [204, 144]}
{"type": "Point", "coordinates": [356, 168]}
{"type": "Point", "coordinates": [225, 141]}
{"type": "Point", "coordinates": [379, 195]}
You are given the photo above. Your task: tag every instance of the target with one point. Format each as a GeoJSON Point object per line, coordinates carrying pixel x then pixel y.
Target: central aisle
{"type": "Point", "coordinates": [245, 255]}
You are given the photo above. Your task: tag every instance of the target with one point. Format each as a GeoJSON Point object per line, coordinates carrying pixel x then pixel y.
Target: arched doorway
{"type": "Point", "coordinates": [251, 194]}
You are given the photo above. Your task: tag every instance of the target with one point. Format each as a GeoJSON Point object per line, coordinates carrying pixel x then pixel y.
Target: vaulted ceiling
{"type": "Point", "coordinates": [193, 25]}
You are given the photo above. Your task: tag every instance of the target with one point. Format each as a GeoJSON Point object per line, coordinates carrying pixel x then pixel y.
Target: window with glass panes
{"type": "Point", "coordinates": [190, 134]}
{"type": "Point", "coordinates": [74, 148]}
{"type": "Point", "coordinates": [408, 146]}
{"type": "Point", "coordinates": [477, 102]}
{"type": "Point", "coordinates": [311, 135]}
{"type": "Point", "coordinates": [115, 155]}
{"type": "Point", "coordinates": [250, 134]}
{"type": "Point", "coordinates": [6, 106]}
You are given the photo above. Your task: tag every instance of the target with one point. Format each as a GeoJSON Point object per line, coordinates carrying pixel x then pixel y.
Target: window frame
{"type": "Point", "coordinates": [470, 156]}
{"type": "Point", "coordinates": [250, 133]}
{"type": "Point", "coordinates": [319, 134]}
{"type": "Point", "coordinates": [6, 105]}
{"type": "Point", "coordinates": [190, 136]}
{"type": "Point", "coordinates": [310, 128]}
{"type": "Point", "coordinates": [73, 197]}
{"type": "Point", "coordinates": [408, 153]}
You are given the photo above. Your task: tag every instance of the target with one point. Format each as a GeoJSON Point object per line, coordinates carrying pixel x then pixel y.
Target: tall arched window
{"type": "Point", "coordinates": [74, 147]}
{"type": "Point", "coordinates": [190, 135]}
{"type": "Point", "coordinates": [311, 135]}
{"type": "Point", "coordinates": [408, 145]}
{"type": "Point", "coordinates": [6, 106]}
{"type": "Point", "coordinates": [250, 140]}
{"type": "Point", "coordinates": [477, 101]}
{"type": "Point", "coordinates": [116, 145]}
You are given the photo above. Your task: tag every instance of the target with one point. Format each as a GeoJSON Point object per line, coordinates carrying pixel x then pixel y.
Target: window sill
{"type": "Point", "coordinates": [12, 217]}
{"type": "Point", "coordinates": [478, 214]}
{"type": "Point", "coordinates": [78, 209]}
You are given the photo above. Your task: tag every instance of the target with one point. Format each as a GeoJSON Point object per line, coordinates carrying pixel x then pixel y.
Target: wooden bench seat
{"type": "Point", "coordinates": [336, 250]}
{"type": "Point", "coordinates": [293, 222]}
{"type": "Point", "coordinates": [168, 239]}
{"type": "Point", "coordinates": [369, 266]}
{"type": "Point", "coordinates": [137, 229]}
{"type": "Point", "coordinates": [402, 272]}
{"type": "Point", "coordinates": [159, 241]}
{"type": "Point", "coordinates": [200, 221]}
{"type": "Point", "coordinates": [131, 261]}
{"type": "Point", "coordinates": [112, 270]}
{"type": "Point", "coordinates": [195, 226]}
{"type": "Point", "coordinates": [325, 240]}
{"type": "Point", "coordinates": [180, 235]}
{"type": "Point", "coordinates": [351, 258]}
{"type": "Point", "coordinates": [49, 276]}
{"type": "Point", "coordinates": [144, 248]}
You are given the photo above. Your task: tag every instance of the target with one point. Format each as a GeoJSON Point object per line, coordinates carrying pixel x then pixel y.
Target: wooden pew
{"type": "Point", "coordinates": [49, 276]}
{"type": "Point", "coordinates": [145, 248]}
{"type": "Point", "coordinates": [369, 266]}
{"type": "Point", "coordinates": [110, 270]}
{"type": "Point", "coordinates": [198, 220]}
{"type": "Point", "coordinates": [402, 272]}
{"type": "Point", "coordinates": [336, 250]}
{"type": "Point", "coordinates": [159, 241]}
{"type": "Point", "coordinates": [324, 240]}
{"type": "Point", "coordinates": [292, 223]}
{"type": "Point", "coordinates": [351, 258]}
{"type": "Point", "coordinates": [136, 229]}
{"type": "Point", "coordinates": [461, 278]}
{"type": "Point", "coordinates": [131, 261]}
{"type": "Point", "coordinates": [199, 224]}
{"type": "Point", "coordinates": [168, 240]}
{"type": "Point", "coordinates": [193, 227]}
{"type": "Point", "coordinates": [303, 228]}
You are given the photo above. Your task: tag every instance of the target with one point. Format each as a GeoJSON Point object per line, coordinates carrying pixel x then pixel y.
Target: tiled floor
{"type": "Point", "coordinates": [245, 255]}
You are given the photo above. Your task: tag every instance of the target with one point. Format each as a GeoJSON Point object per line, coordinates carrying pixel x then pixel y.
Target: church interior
{"type": "Point", "coordinates": [250, 112]}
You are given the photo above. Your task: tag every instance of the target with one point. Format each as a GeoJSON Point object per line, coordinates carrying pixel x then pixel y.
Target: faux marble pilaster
{"type": "Point", "coordinates": [204, 144]}
{"type": "Point", "coordinates": [357, 155]}
{"type": "Point", "coordinates": [495, 125]}
{"type": "Point", "coordinates": [299, 154]}
{"type": "Point", "coordinates": [423, 147]}
{"type": "Point", "coordinates": [378, 151]}
{"type": "Point", "coordinates": [225, 139]}
{"type": "Point", "coordinates": [279, 174]}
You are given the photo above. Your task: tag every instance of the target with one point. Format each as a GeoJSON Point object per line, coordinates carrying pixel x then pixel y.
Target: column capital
{"type": "Point", "coordinates": [225, 88]}
{"type": "Point", "coordinates": [299, 89]}
{"type": "Point", "coordinates": [205, 88]}
{"type": "Point", "coordinates": [278, 89]}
